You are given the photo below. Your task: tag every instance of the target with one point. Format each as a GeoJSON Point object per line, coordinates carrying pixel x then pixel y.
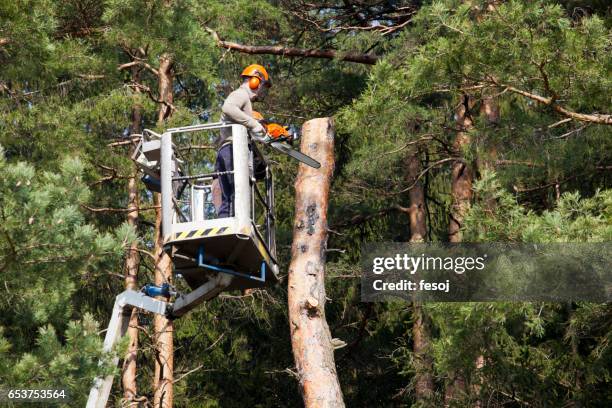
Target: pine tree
{"type": "Point", "coordinates": [47, 251]}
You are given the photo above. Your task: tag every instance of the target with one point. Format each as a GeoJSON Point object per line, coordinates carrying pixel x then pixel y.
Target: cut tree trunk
{"type": "Point", "coordinates": [310, 335]}
{"type": "Point", "coordinates": [132, 262]}
{"type": "Point", "coordinates": [164, 329]}
{"type": "Point", "coordinates": [423, 382]}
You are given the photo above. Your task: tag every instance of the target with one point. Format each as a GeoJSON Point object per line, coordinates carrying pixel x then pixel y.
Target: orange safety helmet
{"type": "Point", "coordinates": [257, 75]}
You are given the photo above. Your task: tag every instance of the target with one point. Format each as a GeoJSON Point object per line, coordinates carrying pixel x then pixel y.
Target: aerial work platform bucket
{"type": "Point", "coordinates": [201, 244]}
{"type": "Point", "coordinates": [212, 254]}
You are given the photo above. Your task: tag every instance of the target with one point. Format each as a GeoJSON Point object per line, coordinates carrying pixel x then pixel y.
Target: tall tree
{"type": "Point", "coordinates": [132, 259]}
{"type": "Point", "coordinates": [164, 327]}
{"type": "Point", "coordinates": [421, 342]}
{"type": "Point", "coordinates": [462, 173]}
{"type": "Point", "coordinates": [47, 250]}
{"type": "Point", "coordinates": [461, 195]}
{"type": "Point", "coordinates": [310, 335]}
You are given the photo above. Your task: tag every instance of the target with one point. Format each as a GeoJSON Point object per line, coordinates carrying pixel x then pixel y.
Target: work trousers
{"type": "Point", "coordinates": [225, 162]}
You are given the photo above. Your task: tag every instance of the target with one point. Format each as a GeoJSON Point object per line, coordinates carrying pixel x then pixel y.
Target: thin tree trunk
{"type": "Point", "coordinates": [132, 262]}
{"type": "Point", "coordinates": [455, 390]}
{"type": "Point", "coordinates": [165, 88]}
{"type": "Point", "coordinates": [421, 343]}
{"type": "Point", "coordinates": [489, 109]}
{"type": "Point", "coordinates": [424, 388]}
{"type": "Point", "coordinates": [164, 348]}
{"type": "Point", "coordinates": [416, 197]}
{"type": "Point", "coordinates": [461, 195]}
{"type": "Point", "coordinates": [310, 335]}
{"type": "Point", "coordinates": [461, 187]}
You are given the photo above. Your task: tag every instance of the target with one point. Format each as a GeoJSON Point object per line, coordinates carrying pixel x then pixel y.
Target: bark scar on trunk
{"type": "Point", "coordinates": [311, 213]}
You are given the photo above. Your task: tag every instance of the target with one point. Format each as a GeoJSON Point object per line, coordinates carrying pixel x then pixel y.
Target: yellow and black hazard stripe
{"type": "Point", "coordinates": [261, 248]}
{"type": "Point", "coordinates": [204, 232]}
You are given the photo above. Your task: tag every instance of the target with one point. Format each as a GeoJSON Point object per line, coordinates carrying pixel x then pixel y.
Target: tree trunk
{"type": "Point", "coordinates": [423, 387]}
{"type": "Point", "coordinates": [164, 348]}
{"type": "Point", "coordinates": [421, 341]}
{"type": "Point", "coordinates": [416, 197]}
{"type": "Point", "coordinates": [165, 88]}
{"type": "Point", "coordinates": [489, 109]}
{"type": "Point", "coordinates": [461, 187]}
{"type": "Point", "coordinates": [455, 390]}
{"type": "Point", "coordinates": [461, 195]}
{"type": "Point", "coordinates": [131, 268]}
{"type": "Point", "coordinates": [310, 335]}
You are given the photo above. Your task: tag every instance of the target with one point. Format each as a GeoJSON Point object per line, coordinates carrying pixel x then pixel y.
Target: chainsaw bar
{"type": "Point", "coordinates": [296, 154]}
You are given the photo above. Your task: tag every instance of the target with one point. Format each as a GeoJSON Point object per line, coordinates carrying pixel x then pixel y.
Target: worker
{"type": "Point", "coordinates": [237, 108]}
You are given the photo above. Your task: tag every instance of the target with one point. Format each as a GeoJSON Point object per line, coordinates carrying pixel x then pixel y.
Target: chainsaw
{"type": "Point", "coordinates": [280, 133]}
{"type": "Point", "coordinates": [281, 138]}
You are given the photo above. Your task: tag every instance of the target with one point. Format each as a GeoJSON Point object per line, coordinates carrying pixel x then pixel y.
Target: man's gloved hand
{"type": "Point", "coordinates": [259, 131]}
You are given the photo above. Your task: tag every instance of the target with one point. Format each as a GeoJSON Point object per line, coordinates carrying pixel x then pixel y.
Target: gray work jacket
{"type": "Point", "coordinates": [237, 108]}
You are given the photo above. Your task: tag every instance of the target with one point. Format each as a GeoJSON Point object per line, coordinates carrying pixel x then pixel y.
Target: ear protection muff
{"type": "Point", "coordinates": [254, 82]}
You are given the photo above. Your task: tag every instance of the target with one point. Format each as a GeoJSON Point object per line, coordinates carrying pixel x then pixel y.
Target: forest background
{"type": "Point", "coordinates": [477, 121]}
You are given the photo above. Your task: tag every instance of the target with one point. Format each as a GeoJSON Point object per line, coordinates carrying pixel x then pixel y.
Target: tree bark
{"type": "Point", "coordinates": [423, 382]}
{"type": "Point", "coordinates": [421, 341]}
{"type": "Point", "coordinates": [461, 184]}
{"type": "Point", "coordinates": [166, 97]}
{"type": "Point", "coordinates": [132, 262]}
{"type": "Point", "coordinates": [164, 329]}
{"type": "Point", "coordinates": [416, 197]}
{"type": "Point", "coordinates": [310, 335]}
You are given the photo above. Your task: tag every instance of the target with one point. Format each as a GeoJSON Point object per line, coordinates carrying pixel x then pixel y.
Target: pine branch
{"type": "Point", "coordinates": [131, 141]}
{"type": "Point", "coordinates": [91, 77]}
{"type": "Point", "coordinates": [108, 178]}
{"type": "Point", "coordinates": [399, 149]}
{"type": "Point", "coordinates": [197, 147]}
{"type": "Point", "coordinates": [382, 28]}
{"type": "Point", "coordinates": [189, 372]}
{"type": "Point", "coordinates": [108, 209]}
{"type": "Point", "coordinates": [559, 182]}
{"type": "Point", "coordinates": [421, 174]}
{"type": "Point", "coordinates": [138, 63]}
{"type": "Point", "coordinates": [599, 118]}
{"type": "Point", "coordinates": [370, 59]}
{"type": "Point", "coordinates": [148, 91]}
{"type": "Point", "coordinates": [517, 163]}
